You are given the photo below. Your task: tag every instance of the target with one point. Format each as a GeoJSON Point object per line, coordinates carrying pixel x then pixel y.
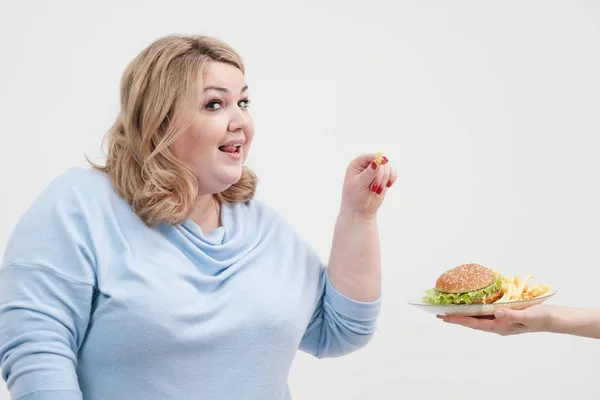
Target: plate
{"type": "Point", "coordinates": [478, 310]}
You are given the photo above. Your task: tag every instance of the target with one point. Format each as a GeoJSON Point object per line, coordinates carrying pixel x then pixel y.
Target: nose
{"type": "Point", "coordinates": [238, 120]}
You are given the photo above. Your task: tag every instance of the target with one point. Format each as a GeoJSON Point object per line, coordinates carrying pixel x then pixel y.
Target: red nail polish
{"type": "Point", "coordinates": [380, 190]}
{"type": "Point", "coordinates": [373, 164]}
{"type": "Point", "coordinates": [389, 184]}
{"type": "Point", "coordinates": [375, 187]}
{"type": "Point", "coordinates": [385, 159]}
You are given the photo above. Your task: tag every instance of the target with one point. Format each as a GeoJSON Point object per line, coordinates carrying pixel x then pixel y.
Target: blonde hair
{"type": "Point", "coordinates": [154, 86]}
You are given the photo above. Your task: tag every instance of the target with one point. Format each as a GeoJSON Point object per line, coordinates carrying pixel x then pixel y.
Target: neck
{"type": "Point", "coordinates": [207, 214]}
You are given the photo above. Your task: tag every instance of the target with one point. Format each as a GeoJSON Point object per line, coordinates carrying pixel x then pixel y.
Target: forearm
{"type": "Point", "coordinates": [43, 318]}
{"type": "Point", "coordinates": [354, 266]}
{"type": "Point", "coordinates": [575, 321]}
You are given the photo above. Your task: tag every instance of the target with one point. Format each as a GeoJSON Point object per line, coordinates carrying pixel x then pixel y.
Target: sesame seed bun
{"type": "Point", "coordinates": [465, 278]}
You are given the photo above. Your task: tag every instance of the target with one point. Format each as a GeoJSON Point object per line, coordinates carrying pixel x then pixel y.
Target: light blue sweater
{"type": "Point", "coordinates": [95, 305]}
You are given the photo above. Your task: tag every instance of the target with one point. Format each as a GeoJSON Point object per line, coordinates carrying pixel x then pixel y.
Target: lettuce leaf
{"type": "Point", "coordinates": [434, 296]}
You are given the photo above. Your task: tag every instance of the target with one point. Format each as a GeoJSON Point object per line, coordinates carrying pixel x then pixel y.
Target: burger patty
{"type": "Point", "coordinates": [489, 299]}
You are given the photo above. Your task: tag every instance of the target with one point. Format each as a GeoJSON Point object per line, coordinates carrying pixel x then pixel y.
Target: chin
{"type": "Point", "coordinates": [230, 178]}
{"type": "Point", "coordinates": [219, 180]}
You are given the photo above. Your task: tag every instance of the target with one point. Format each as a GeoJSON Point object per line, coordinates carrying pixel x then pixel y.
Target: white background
{"type": "Point", "coordinates": [489, 110]}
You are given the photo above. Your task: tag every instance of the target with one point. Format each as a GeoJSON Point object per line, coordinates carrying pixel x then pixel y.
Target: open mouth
{"type": "Point", "coordinates": [231, 148]}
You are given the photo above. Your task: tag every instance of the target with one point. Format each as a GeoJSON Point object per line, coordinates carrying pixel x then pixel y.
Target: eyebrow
{"type": "Point", "coordinates": [222, 89]}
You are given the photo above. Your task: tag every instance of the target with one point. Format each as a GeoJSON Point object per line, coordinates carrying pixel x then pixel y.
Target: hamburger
{"type": "Point", "coordinates": [465, 284]}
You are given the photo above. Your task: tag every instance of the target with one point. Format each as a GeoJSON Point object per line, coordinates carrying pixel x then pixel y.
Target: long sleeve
{"type": "Point", "coordinates": [46, 291]}
{"type": "Point", "coordinates": [340, 325]}
{"type": "Point", "coordinates": [43, 317]}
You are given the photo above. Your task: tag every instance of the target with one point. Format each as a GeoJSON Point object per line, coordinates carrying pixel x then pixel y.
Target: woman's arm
{"type": "Point", "coordinates": [43, 320]}
{"type": "Point", "coordinates": [47, 282]}
{"type": "Point", "coordinates": [350, 286]}
{"type": "Point", "coordinates": [345, 317]}
{"type": "Point", "coordinates": [355, 261]}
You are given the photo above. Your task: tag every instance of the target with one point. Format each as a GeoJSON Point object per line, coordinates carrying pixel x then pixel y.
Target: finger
{"type": "Point", "coordinates": [384, 178]}
{"type": "Point", "coordinates": [517, 316]}
{"type": "Point", "coordinates": [369, 172]}
{"type": "Point", "coordinates": [374, 182]}
{"type": "Point", "coordinates": [364, 161]}
{"type": "Point", "coordinates": [494, 325]}
{"type": "Point", "coordinates": [393, 176]}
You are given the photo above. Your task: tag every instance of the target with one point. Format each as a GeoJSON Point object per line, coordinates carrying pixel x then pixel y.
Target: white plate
{"type": "Point", "coordinates": [477, 310]}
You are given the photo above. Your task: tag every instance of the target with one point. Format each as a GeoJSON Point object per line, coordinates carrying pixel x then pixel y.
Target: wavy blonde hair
{"type": "Point", "coordinates": [154, 86]}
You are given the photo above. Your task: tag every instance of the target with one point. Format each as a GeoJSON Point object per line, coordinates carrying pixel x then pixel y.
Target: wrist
{"type": "Point", "coordinates": [553, 322]}
{"type": "Point", "coordinates": [357, 226]}
{"type": "Point", "coordinates": [356, 217]}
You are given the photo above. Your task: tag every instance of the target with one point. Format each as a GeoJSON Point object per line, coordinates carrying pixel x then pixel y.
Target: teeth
{"type": "Point", "coordinates": [237, 146]}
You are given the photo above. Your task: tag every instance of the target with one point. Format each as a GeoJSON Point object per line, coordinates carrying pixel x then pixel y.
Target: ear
{"type": "Point", "coordinates": [164, 125]}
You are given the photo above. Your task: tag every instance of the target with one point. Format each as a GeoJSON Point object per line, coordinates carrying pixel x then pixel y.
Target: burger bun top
{"type": "Point", "coordinates": [465, 278]}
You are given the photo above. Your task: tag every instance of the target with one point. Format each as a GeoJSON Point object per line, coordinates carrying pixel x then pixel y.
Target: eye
{"type": "Point", "coordinates": [244, 103]}
{"type": "Point", "coordinates": [214, 105]}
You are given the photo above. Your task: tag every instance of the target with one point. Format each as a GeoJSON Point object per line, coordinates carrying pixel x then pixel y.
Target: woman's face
{"type": "Point", "coordinates": [217, 142]}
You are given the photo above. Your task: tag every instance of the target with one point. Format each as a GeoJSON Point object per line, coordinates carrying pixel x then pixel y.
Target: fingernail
{"type": "Point", "coordinates": [375, 187]}
{"type": "Point", "coordinates": [380, 190]}
{"type": "Point", "coordinates": [385, 159]}
{"type": "Point", "coordinates": [389, 184]}
{"type": "Point", "coordinates": [373, 164]}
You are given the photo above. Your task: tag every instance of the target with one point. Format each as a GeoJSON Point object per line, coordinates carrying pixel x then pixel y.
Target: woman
{"type": "Point", "coordinates": [539, 318]}
{"type": "Point", "coordinates": [159, 276]}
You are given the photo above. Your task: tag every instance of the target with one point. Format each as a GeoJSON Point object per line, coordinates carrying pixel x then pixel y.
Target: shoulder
{"type": "Point", "coordinates": [70, 204]}
{"type": "Point", "coordinates": [75, 182]}
{"type": "Point", "coordinates": [77, 191]}
{"type": "Point", "coordinates": [58, 228]}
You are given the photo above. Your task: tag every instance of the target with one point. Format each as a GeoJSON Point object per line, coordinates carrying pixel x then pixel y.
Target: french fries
{"type": "Point", "coordinates": [515, 289]}
{"type": "Point", "coordinates": [379, 158]}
